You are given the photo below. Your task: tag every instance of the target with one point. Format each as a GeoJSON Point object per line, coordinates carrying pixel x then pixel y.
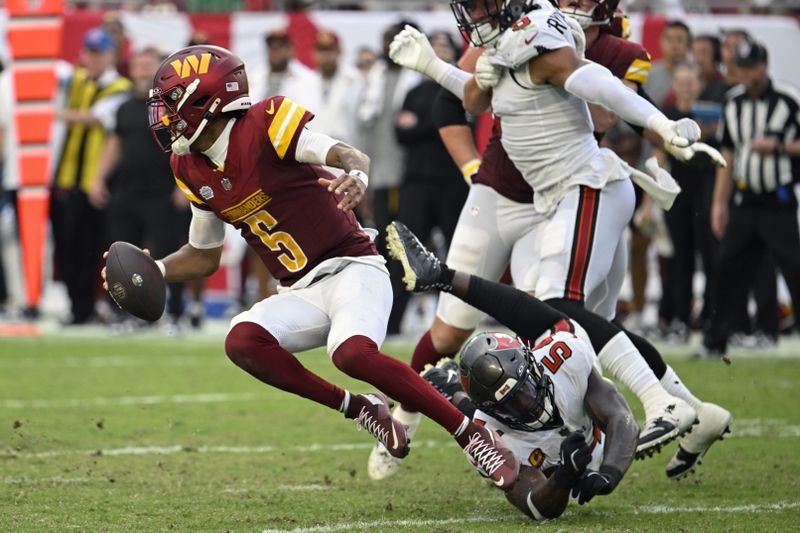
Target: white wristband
{"type": "Point", "coordinates": [361, 175]}
{"type": "Point", "coordinates": [161, 267]}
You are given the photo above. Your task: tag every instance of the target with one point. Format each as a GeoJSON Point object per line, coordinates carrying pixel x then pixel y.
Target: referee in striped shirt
{"type": "Point", "coordinates": [755, 208]}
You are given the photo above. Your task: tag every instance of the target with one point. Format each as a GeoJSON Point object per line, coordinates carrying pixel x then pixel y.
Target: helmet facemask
{"type": "Point", "coordinates": [478, 20]}
{"type": "Point", "coordinates": [599, 15]}
{"type": "Point", "coordinates": [529, 405]}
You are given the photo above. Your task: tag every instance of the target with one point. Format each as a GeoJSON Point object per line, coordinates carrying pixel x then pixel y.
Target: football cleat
{"type": "Point", "coordinates": [445, 377]}
{"type": "Point", "coordinates": [374, 416]}
{"type": "Point", "coordinates": [422, 270]}
{"type": "Point", "coordinates": [714, 423]}
{"type": "Point", "coordinates": [675, 419]}
{"type": "Point", "coordinates": [490, 458]}
{"type": "Point", "coordinates": [381, 463]}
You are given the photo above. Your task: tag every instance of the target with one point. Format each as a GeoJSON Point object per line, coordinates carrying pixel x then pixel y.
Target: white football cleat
{"type": "Point", "coordinates": [381, 463]}
{"type": "Point", "coordinates": [714, 423]}
{"type": "Point", "coordinates": [671, 421]}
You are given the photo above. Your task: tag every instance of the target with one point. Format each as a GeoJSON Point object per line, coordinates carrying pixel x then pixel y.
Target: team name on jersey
{"type": "Point", "coordinates": [246, 207]}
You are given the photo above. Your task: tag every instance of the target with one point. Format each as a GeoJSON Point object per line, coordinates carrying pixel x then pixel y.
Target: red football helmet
{"type": "Point", "coordinates": [600, 14]}
{"type": "Point", "coordinates": [191, 87]}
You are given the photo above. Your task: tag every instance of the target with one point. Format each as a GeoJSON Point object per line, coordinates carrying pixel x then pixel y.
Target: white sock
{"type": "Point", "coordinates": [410, 419]}
{"type": "Point", "coordinates": [620, 358]}
{"type": "Point", "coordinates": [345, 402]}
{"type": "Point", "coordinates": [673, 385]}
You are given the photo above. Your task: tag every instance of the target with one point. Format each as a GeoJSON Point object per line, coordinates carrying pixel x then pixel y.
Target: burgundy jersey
{"type": "Point", "coordinates": [289, 219]}
{"type": "Point", "coordinates": [626, 60]}
{"type": "Point", "coordinates": [498, 172]}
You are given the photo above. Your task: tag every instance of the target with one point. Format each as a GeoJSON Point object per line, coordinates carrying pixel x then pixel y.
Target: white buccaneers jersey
{"type": "Point", "coordinates": [568, 361]}
{"type": "Point", "coordinates": [547, 132]}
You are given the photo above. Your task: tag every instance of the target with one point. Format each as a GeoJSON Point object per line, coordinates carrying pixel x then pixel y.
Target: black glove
{"type": "Point", "coordinates": [445, 377]}
{"type": "Point", "coordinates": [575, 457]}
{"type": "Point", "coordinates": [593, 483]}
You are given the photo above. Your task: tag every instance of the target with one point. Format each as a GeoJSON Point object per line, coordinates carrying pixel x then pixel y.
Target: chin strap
{"type": "Point", "coordinates": [182, 145]}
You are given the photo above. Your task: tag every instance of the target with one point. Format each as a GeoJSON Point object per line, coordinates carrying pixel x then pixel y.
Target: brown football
{"type": "Point", "coordinates": [135, 282]}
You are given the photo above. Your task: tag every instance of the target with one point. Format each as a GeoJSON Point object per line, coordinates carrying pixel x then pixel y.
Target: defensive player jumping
{"type": "Point", "coordinates": [258, 168]}
{"type": "Point", "coordinates": [569, 427]}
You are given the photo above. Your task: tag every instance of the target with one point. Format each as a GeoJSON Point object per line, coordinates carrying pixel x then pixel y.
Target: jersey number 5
{"type": "Point", "coordinates": [292, 257]}
{"type": "Point", "coordinates": [558, 353]}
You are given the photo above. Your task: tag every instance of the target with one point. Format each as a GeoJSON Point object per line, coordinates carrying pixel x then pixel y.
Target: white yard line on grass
{"type": "Point", "coordinates": [131, 400]}
{"type": "Point", "coordinates": [374, 524]}
{"type": "Point", "coordinates": [170, 450]}
{"type": "Point", "coordinates": [111, 361]}
{"type": "Point", "coordinates": [744, 428]}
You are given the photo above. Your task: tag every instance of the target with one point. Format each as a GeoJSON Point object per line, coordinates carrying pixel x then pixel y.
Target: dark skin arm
{"type": "Point", "coordinates": [347, 158]}
{"type": "Point", "coordinates": [185, 264]}
{"type": "Point", "coordinates": [609, 410]}
{"type": "Point", "coordinates": [549, 498]}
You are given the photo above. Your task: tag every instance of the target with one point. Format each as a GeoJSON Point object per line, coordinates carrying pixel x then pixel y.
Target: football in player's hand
{"type": "Point", "coordinates": [135, 281]}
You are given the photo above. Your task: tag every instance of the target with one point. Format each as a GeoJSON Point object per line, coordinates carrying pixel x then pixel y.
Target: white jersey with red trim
{"type": "Point", "coordinates": [547, 132]}
{"type": "Point", "coordinates": [568, 361]}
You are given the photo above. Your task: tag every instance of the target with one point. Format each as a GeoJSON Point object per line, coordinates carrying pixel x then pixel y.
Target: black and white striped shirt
{"type": "Point", "coordinates": [776, 113]}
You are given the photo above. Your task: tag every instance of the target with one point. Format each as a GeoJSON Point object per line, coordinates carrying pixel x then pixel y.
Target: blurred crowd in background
{"type": "Point", "coordinates": [669, 7]}
{"type": "Point", "coordinates": [111, 182]}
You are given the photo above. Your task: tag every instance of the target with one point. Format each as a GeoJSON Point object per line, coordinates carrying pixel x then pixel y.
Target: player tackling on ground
{"type": "Point", "coordinates": [539, 261]}
{"type": "Point", "coordinates": [570, 429]}
{"type": "Point", "coordinates": [257, 167]}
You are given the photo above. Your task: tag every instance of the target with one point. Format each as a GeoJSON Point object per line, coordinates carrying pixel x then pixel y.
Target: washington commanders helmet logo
{"type": "Point", "coordinates": [191, 64]}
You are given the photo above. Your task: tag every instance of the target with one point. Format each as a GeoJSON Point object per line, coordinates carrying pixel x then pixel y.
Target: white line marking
{"type": "Point", "coordinates": [111, 361]}
{"type": "Point", "coordinates": [745, 427]}
{"type": "Point", "coordinates": [131, 400]}
{"type": "Point", "coordinates": [170, 450]}
{"type": "Point", "coordinates": [755, 508]}
{"type": "Point", "coordinates": [57, 479]}
{"type": "Point", "coordinates": [349, 526]}
{"type": "Point", "coordinates": [391, 524]}
{"type": "Point", "coordinates": [287, 488]}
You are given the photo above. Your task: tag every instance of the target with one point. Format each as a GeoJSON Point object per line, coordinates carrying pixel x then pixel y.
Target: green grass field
{"type": "Point", "coordinates": [150, 434]}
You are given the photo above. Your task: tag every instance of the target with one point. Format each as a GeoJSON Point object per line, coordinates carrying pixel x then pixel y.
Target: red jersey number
{"type": "Point", "coordinates": [292, 257]}
{"type": "Point", "coordinates": [559, 352]}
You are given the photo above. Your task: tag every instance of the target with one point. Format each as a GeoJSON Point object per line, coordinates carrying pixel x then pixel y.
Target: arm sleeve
{"type": "Point", "coordinates": [313, 147]}
{"type": "Point", "coordinates": [595, 83]}
{"type": "Point", "coordinates": [206, 231]}
{"type": "Point", "coordinates": [448, 110]}
{"type": "Point", "coordinates": [517, 310]}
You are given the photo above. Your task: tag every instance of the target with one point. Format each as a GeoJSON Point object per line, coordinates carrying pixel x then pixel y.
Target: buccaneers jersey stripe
{"type": "Point", "coordinates": [189, 194]}
{"type": "Point", "coordinates": [638, 71]}
{"type": "Point", "coordinates": [284, 125]}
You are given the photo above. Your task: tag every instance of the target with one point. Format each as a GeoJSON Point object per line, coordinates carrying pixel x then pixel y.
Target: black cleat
{"type": "Point", "coordinates": [422, 270]}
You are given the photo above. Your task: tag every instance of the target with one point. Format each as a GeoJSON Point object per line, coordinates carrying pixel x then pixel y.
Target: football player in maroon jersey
{"type": "Point", "coordinates": [258, 168]}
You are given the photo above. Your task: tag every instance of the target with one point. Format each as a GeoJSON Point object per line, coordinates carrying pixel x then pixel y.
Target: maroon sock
{"type": "Point", "coordinates": [258, 353]}
{"type": "Point", "coordinates": [424, 354]}
{"type": "Point", "coordinates": [359, 357]}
